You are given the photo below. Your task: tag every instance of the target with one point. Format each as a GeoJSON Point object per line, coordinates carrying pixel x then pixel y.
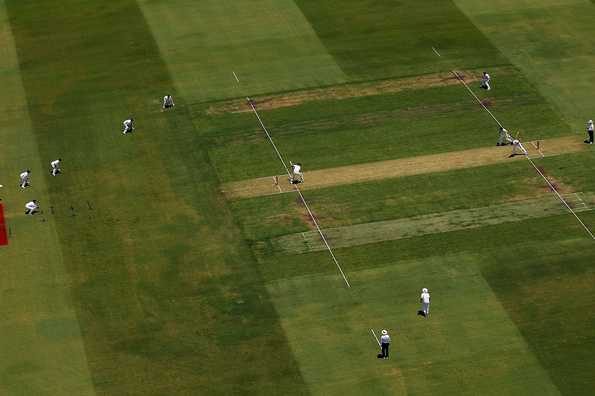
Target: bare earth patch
{"type": "Point", "coordinates": [346, 91]}
{"type": "Point", "coordinates": [330, 177]}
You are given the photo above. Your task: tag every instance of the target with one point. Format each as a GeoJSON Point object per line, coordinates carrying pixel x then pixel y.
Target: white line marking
{"type": "Point", "coordinates": [236, 77]}
{"type": "Point", "coordinates": [376, 338]}
{"type": "Point", "coordinates": [436, 51]}
{"type": "Point", "coordinates": [296, 188]}
{"type": "Point", "coordinates": [528, 159]}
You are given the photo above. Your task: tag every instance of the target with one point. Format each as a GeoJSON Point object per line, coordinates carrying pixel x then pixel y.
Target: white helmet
{"type": "Point", "coordinates": [384, 332]}
{"type": "Point", "coordinates": [424, 290]}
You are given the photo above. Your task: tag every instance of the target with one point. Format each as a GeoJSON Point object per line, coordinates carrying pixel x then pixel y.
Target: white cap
{"type": "Point", "coordinates": [590, 122]}
{"type": "Point", "coordinates": [384, 332]}
{"type": "Point", "coordinates": [424, 290]}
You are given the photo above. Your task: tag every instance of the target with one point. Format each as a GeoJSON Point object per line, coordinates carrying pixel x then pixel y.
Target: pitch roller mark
{"type": "Point", "coordinates": [552, 188]}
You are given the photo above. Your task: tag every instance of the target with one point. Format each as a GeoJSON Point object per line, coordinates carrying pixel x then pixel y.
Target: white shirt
{"type": "Point", "coordinates": [385, 339]}
{"type": "Point", "coordinates": [425, 298]}
{"type": "Point", "coordinates": [589, 126]}
{"type": "Point", "coordinates": [486, 77]}
{"type": "Point", "coordinates": [127, 123]}
{"type": "Point", "coordinates": [31, 205]}
{"type": "Point", "coordinates": [24, 175]}
{"type": "Point", "coordinates": [55, 163]}
{"type": "Point", "coordinates": [168, 100]}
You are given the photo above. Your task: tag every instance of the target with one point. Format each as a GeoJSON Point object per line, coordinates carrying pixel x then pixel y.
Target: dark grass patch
{"type": "Point", "coordinates": [386, 38]}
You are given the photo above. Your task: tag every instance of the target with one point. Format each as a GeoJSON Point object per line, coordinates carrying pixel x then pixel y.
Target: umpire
{"type": "Point", "coordinates": [384, 344]}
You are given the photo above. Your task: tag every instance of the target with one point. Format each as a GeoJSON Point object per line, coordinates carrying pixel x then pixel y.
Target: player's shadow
{"type": "Point", "coordinates": [421, 313]}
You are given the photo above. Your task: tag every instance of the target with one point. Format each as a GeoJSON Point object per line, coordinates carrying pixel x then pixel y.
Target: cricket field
{"type": "Point", "coordinates": [169, 262]}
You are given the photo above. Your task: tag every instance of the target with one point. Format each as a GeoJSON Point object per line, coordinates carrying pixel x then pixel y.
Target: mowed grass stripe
{"type": "Point", "coordinates": [324, 178]}
{"type": "Point", "coordinates": [469, 345]}
{"type": "Point", "coordinates": [267, 43]}
{"type": "Point", "coordinates": [41, 348]}
{"type": "Point", "coordinates": [165, 289]}
{"type": "Point", "coordinates": [383, 38]}
{"type": "Point", "coordinates": [367, 233]}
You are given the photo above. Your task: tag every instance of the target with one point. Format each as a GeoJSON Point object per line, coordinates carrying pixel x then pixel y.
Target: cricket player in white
{"type": "Point", "coordinates": [55, 167]}
{"type": "Point", "coordinates": [128, 126]}
{"type": "Point", "coordinates": [31, 207]}
{"type": "Point", "coordinates": [25, 178]}
{"type": "Point", "coordinates": [517, 146]}
{"type": "Point", "coordinates": [425, 302]}
{"type": "Point", "coordinates": [384, 344]}
{"type": "Point", "coordinates": [485, 81]}
{"type": "Point", "coordinates": [504, 138]}
{"type": "Point", "coordinates": [296, 174]}
{"type": "Point", "coordinates": [589, 132]}
{"type": "Point", "coordinates": [168, 102]}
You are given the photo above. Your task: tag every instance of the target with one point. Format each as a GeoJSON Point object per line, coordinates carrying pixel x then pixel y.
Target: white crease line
{"type": "Point", "coordinates": [296, 188]}
{"type": "Point", "coordinates": [376, 338]}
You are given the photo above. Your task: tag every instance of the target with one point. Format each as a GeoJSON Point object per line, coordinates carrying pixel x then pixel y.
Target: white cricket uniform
{"type": "Point", "coordinates": [504, 137]}
{"type": "Point", "coordinates": [425, 303]}
{"type": "Point", "coordinates": [127, 126]}
{"type": "Point", "coordinates": [24, 179]}
{"type": "Point", "coordinates": [30, 207]}
{"type": "Point", "coordinates": [55, 167]}
{"type": "Point", "coordinates": [297, 172]}
{"type": "Point", "coordinates": [517, 145]}
{"type": "Point", "coordinates": [485, 81]}
{"type": "Point", "coordinates": [384, 344]}
{"type": "Point", "coordinates": [168, 101]}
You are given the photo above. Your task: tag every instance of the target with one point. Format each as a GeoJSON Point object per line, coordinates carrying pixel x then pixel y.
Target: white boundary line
{"type": "Point", "coordinates": [376, 338]}
{"type": "Point", "coordinates": [236, 77]}
{"type": "Point", "coordinates": [264, 128]}
{"type": "Point", "coordinates": [529, 159]}
{"type": "Point", "coordinates": [436, 52]}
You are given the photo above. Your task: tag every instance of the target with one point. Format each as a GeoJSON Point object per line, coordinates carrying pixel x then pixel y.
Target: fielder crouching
{"type": "Point", "coordinates": [128, 126]}
{"type": "Point", "coordinates": [31, 207]}
{"type": "Point", "coordinates": [168, 102]}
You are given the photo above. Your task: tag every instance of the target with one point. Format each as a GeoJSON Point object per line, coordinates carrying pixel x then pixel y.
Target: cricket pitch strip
{"type": "Point", "coordinates": [390, 169]}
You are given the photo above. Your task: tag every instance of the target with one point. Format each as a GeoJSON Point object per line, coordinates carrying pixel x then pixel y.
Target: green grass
{"type": "Point", "coordinates": [372, 39]}
{"type": "Point", "coordinates": [551, 42]}
{"type": "Point", "coordinates": [41, 336]}
{"type": "Point", "coordinates": [159, 278]}
{"type": "Point", "coordinates": [406, 124]}
{"type": "Point", "coordinates": [428, 356]}
{"type": "Point", "coordinates": [388, 199]}
{"type": "Point", "coordinates": [164, 287]}
{"type": "Point", "coordinates": [267, 43]}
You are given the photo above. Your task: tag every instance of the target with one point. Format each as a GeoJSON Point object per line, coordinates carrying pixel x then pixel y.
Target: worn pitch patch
{"type": "Point", "coordinates": [346, 91]}
{"type": "Point", "coordinates": [381, 170]}
{"type": "Point", "coordinates": [463, 219]}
